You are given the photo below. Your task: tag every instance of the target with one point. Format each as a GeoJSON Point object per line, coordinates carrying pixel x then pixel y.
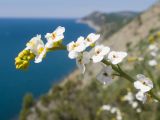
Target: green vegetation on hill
{"type": "Point", "coordinates": [71, 102]}
{"type": "Point", "coordinates": [28, 102]}
{"type": "Point", "coordinates": [109, 23]}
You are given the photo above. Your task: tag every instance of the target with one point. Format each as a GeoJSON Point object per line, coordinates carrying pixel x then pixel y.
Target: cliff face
{"type": "Point", "coordinates": [77, 98]}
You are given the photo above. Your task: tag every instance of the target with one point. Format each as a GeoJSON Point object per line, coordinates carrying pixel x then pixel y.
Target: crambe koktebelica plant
{"type": "Point", "coordinates": [85, 50]}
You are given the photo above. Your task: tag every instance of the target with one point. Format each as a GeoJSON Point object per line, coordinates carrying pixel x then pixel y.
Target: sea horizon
{"type": "Point", "coordinates": [43, 18]}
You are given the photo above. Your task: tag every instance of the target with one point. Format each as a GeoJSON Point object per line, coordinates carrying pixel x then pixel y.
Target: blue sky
{"type": "Point", "coordinates": [67, 8]}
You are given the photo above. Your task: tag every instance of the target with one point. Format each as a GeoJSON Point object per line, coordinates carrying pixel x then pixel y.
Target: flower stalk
{"type": "Point", "coordinates": [61, 47]}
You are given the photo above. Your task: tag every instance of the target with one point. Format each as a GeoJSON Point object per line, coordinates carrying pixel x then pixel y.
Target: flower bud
{"type": "Point", "coordinates": [22, 61]}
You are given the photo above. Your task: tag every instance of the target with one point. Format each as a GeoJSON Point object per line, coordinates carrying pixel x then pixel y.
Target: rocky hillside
{"type": "Point", "coordinates": [77, 98]}
{"type": "Point", "coordinates": [108, 23]}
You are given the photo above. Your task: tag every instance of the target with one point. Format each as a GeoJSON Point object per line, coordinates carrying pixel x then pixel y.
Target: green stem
{"type": "Point", "coordinates": [127, 77]}
{"type": "Point", "coordinates": [154, 96]}
{"type": "Point", "coordinates": [61, 47]}
{"type": "Point", "coordinates": [119, 70]}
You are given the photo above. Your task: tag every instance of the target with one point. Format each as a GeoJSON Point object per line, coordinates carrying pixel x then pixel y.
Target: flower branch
{"type": "Point", "coordinates": [85, 50]}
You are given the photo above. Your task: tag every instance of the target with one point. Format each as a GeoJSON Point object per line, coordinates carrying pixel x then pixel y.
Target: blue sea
{"type": "Point", "coordinates": [39, 78]}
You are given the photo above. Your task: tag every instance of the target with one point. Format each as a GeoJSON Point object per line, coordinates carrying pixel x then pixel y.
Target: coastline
{"type": "Point", "coordinates": [89, 23]}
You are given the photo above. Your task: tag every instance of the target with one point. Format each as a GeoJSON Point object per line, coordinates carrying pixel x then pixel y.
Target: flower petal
{"type": "Point", "coordinates": [116, 57]}
{"type": "Point", "coordinates": [143, 83]}
{"type": "Point", "coordinates": [72, 55]}
{"type": "Point", "coordinates": [97, 59]}
{"type": "Point", "coordinates": [141, 96]}
{"type": "Point", "coordinates": [105, 75]}
{"type": "Point", "coordinates": [60, 30]}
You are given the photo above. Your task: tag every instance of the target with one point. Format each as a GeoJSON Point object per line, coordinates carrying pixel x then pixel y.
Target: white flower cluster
{"type": "Point", "coordinates": [36, 45]}
{"type": "Point", "coordinates": [144, 85]}
{"type": "Point", "coordinates": [77, 50]}
{"type": "Point", "coordinates": [113, 110]}
{"type": "Point", "coordinates": [153, 49]}
{"type": "Point", "coordinates": [131, 100]}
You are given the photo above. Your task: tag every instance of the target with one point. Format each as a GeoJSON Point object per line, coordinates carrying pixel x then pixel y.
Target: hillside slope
{"type": "Point", "coordinates": [136, 30]}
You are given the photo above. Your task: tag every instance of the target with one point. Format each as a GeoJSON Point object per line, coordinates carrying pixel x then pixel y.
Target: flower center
{"type": "Point", "coordinates": [98, 51]}
{"type": "Point", "coordinates": [75, 45]}
{"type": "Point", "coordinates": [114, 56]}
{"type": "Point", "coordinates": [89, 40]}
{"type": "Point", "coordinates": [144, 83]}
{"type": "Point", "coordinates": [40, 50]}
{"type": "Point", "coordinates": [54, 35]}
{"type": "Point", "coordinates": [105, 74]}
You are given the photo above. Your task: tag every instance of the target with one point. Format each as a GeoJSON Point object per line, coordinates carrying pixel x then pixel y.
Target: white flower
{"type": "Point", "coordinates": [143, 83]}
{"type": "Point", "coordinates": [153, 47]}
{"type": "Point", "coordinates": [35, 44]}
{"type": "Point", "coordinates": [129, 97]}
{"type": "Point", "coordinates": [140, 58]}
{"type": "Point", "coordinates": [116, 57]}
{"type": "Point", "coordinates": [55, 36]}
{"type": "Point", "coordinates": [105, 76]}
{"type": "Point", "coordinates": [141, 96]}
{"type": "Point", "coordinates": [82, 60]}
{"type": "Point", "coordinates": [153, 53]}
{"type": "Point", "coordinates": [75, 47]}
{"type": "Point", "coordinates": [152, 62]}
{"type": "Point", "coordinates": [119, 115]}
{"type": "Point", "coordinates": [134, 104]}
{"type": "Point", "coordinates": [106, 107]}
{"type": "Point", "coordinates": [91, 38]}
{"type": "Point", "coordinates": [113, 110]}
{"type": "Point", "coordinates": [138, 110]}
{"type": "Point", "coordinates": [99, 52]}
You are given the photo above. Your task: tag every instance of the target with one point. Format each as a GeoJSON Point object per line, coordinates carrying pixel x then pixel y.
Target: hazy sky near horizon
{"type": "Point", "coordinates": [67, 8]}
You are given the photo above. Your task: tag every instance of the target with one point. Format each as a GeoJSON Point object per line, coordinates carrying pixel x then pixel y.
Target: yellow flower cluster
{"type": "Point", "coordinates": [23, 58]}
{"type": "Point", "coordinates": [154, 37]}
